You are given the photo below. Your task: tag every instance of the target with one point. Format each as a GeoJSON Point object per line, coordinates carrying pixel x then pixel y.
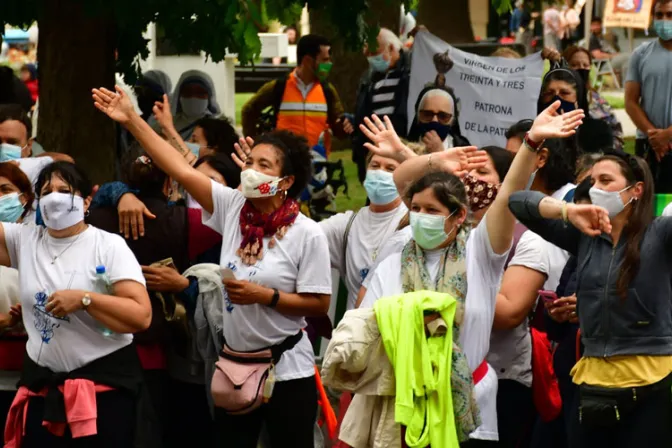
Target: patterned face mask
{"type": "Point", "coordinates": [480, 194]}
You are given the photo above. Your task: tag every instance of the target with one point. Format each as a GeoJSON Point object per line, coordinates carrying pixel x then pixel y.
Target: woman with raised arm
{"type": "Point", "coordinates": [445, 254]}
{"type": "Point", "coordinates": [623, 302]}
{"type": "Point", "coordinates": [275, 265]}
{"type": "Point", "coordinates": [83, 295]}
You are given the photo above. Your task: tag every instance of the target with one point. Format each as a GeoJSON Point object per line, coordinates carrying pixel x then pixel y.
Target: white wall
{"type": "Point", "coordinates": [222, 73]}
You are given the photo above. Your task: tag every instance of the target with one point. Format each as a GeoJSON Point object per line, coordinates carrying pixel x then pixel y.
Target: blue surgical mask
{"type": "Point", "coordinates": [194, 148]}
{"type": "Point", "coordinates": [429, 231]}
{"type": "Point", "coordinates": [565, 106]}
{"type": "Point", "coordinates": [443, 130]}
{"type": "Point", "coordinates": [11, 208]}
{"type": "Point", "coordinates": [9, 152]}
{"type": "Point", "coordinates": [530, 181]}
{"type": "Point", "coordinates": [663, 29]}
{"type": "Point", "coordinates": [380, 187]}
{"type": "Point", "coordinates": [609, 200]}
{"type": "Point", "coordinates": [378, 63]}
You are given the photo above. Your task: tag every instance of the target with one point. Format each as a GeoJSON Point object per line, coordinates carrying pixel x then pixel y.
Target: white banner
{"type": "Point", "coordinates": [493, 93]}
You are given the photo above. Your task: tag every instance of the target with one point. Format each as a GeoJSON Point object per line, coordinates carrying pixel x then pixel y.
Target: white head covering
{"type": "Point", "coordinates": [184, 124]}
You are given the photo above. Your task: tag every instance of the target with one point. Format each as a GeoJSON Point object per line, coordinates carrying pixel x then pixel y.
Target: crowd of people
{"type": "Point", "coordinates": [512, 296]}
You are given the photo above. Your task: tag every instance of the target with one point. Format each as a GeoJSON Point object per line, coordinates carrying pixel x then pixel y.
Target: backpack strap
{"type": "Point", "coordinates": [328, 96]}
{"type": "Point", "coordinates": [345, 241]}
{"type": "Point", "coordinates": [278, 93]}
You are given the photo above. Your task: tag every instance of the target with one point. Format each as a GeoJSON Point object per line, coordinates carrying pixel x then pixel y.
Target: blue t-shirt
{"type": "Point", "coordinates": [650, 66]}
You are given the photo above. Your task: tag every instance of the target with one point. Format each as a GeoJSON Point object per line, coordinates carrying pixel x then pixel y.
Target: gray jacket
{"type": "Point", "coordinates": [640, 324]}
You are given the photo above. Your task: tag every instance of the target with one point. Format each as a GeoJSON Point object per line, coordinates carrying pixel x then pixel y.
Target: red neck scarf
{"type": "Point", "coordinates": [255, 225]}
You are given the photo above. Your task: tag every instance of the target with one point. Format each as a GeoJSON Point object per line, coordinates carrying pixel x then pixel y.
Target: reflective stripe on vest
{"type": "Point", "coordinates": [306, 117]}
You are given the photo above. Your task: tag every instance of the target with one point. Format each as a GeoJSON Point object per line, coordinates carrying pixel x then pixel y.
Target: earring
{"type": "Point", "coordinates": [87, 213]}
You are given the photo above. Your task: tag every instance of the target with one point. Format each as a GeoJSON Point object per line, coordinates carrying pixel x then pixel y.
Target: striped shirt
{"type": "Point", "coordinates": [383, 93]}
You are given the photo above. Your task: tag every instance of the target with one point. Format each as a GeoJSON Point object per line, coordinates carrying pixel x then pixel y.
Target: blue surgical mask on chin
{"type": "Point", "coordinates": [378, 63]}
{"type": "Point", "coordinates": [11, 207]}
{"type": "Point", "coordinates": [443, 130]}
{"type": "Point", "coordinates": [429, 230]}
{"type": "Point", "coordinates": [531, 179]}
{"type": "Point", "coordinates": [9, 152]}
{"type": "Point", "coordinates": [380, 187]}
{"type": "Point", "coordinates": [663, 29]}
{"type": "Point", "coordinates": [565, 106]}
{"type": "Point", "coordinates": [195, 148]}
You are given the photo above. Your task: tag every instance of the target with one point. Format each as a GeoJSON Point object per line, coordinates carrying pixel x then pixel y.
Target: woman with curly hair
{"type": "Point", "coordinates": [275, 269]}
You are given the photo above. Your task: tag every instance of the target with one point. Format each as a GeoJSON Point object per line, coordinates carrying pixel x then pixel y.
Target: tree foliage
{"type": "Point", "coordinates": [217, 27]}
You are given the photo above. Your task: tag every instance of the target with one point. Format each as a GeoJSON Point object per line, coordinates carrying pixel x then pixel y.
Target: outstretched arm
{"type": "Point", "coordinates": [118, 107]}
{"type": "Point", "coordinates": [499, 220]}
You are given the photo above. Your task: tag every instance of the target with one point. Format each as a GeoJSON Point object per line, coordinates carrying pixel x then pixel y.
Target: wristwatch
{"type": "Point", "coordinates": [275, 299]}
{"type": "Point", "coordinates": [86, 300]}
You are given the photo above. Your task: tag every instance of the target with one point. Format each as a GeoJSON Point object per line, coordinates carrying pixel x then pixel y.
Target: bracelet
{"type": "Point", "coordinates": [532, 145]}
{"type": "Point", "coordinates": [565, 219]}
{"type": "Point", "coordinates": [275, 299]}
{"type": "Point", "coordinates": [429, 159]}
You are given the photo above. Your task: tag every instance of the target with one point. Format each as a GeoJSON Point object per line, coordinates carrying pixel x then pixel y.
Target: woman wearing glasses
{"type": "Point", "coordinates": [436, 120]}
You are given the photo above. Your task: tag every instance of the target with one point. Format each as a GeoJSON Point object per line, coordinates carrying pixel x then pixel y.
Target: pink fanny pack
{"type": "Point", "coordinates": [244, 380]}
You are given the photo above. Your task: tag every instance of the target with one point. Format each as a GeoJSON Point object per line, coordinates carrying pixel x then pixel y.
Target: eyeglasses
{"type": "Point", "coordinates": [428, 115]}
{"type": "Point", "coordinates": [660, 15]}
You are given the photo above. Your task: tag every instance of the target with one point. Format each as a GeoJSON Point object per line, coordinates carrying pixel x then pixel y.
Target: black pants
{"type": "Point", "coordinates": [6, 400]}
{"type": "Point", "coordinates": [289, 418]}
{"type": "Point", "coordinates": [647, 426]}
{"type": "Point", "coordinates": [661, 171]}
{"type": "Point", "coordinates": [188, 421]}
{"type": "Point", "coordinates": [515, 414]}
{"type": "Point", "coordinates": [115, 424]}
{"type": "Point", "coordinates": [473, 443]}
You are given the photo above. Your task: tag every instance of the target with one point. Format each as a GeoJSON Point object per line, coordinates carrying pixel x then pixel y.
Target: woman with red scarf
{"type": "Point", "coordinates": [275, 264]}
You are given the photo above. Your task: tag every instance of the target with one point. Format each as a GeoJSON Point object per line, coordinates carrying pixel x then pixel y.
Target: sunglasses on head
{"type": "Point", "coordinates": [428, 115]}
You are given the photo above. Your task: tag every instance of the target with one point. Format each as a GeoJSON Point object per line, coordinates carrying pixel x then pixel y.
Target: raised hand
{"type": "Point", "coordinates": [386, 141]}
{"type": "Point", "coordinates": [117, 105]}
{"type": "Point", "coordinates": [589, 219]}
{"type": "Point", "coordinates": [460, 160]}
{"type": "Point", "coordinates": [549, 124]}
{"type": "Point", "coordinates": [243, 149]}
{"type": "Point", "coordinates": [432, 142]}
{"type": "Point", "coordinates": [163, 114]}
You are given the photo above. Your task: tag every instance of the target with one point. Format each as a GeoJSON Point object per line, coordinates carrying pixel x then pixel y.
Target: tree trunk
{"type": "Point", "coordinates": [349, 66]}
{"type": "Point", "coordinates": [448, 20]}
{"type": "Point", "coordinates": [76, 54]}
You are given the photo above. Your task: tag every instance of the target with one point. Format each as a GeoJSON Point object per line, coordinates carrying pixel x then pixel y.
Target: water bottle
{"type": "Point", "coordinates": [103, 285]}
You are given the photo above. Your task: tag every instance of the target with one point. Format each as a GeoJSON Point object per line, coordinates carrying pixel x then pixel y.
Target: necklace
{"type": "Point", "coordinates": [54, 258]}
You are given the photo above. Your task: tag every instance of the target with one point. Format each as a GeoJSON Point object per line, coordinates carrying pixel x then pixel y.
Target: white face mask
{"type": "Point", "coordinates": [194, 107]}
{"type": "Point", "coordinates": [61, 210]}
{"type": "Point", "coordinates": [609, 200]}
{"type": "Point", "coordinates": [258, 185]}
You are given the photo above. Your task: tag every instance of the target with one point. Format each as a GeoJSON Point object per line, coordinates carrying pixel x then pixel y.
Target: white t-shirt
{"type": "Point", "coordinates": [368, 234]}
{"type": "Point", "coordinates": [32, 167]}
{"type": "Point", "coordinates": [9, 296]}
{"type": "Point", "coordinates": [511, 350]}
{"type": "Point", "coordinates": [484, 273]}
{"type": "Point", "coordinates": [299, 263]}
{"type": "Point", "coordinates": [65, 344]}
{"type": "Point", "coordinates": [394, 244]}
{"type": "Point", "coordinates": [668, 210]}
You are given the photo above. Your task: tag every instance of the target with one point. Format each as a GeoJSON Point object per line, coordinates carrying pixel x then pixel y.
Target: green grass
{"type": "Point", "coordinates": [616, 102]}
{"type": "Point", "coordinates": [241, 99]}
{"type": "Point", "coordinates": [629, 146]}
{"type": "Point", "coordinates": [356, 194]}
